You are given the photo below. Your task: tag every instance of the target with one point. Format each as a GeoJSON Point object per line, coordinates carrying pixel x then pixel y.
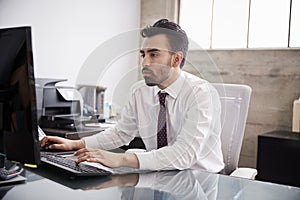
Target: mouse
{"type": "Point", "coordinates": [46, 147]}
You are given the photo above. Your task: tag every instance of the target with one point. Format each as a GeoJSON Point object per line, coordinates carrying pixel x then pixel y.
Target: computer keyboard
{"type": "Point", "coordinates": [70, 165]}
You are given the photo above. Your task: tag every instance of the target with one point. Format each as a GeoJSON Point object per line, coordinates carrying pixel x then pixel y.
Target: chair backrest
{"type": "Point", "coordinates": [235, 100]}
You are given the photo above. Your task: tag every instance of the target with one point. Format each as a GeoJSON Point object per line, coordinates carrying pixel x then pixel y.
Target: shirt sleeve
{"type": "Point", "coordinates": [109, 139]}
{"type": "Point", "coordinates": [198, 142]}
{"type": "Point", "coordinates": [124, 131]}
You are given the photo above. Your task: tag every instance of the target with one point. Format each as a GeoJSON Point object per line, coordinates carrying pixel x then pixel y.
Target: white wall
{"type": "Point", "coordinates": [66, 32]}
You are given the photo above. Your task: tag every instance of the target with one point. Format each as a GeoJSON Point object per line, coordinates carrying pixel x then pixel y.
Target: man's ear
{"type": "Point", "coordinates": [177, 59]}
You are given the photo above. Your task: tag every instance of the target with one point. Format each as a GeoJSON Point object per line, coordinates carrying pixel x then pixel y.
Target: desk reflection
{"type": "Point", "coordinates": [48, 184]}
{"type": "Point", "coordinates": [185, 184]}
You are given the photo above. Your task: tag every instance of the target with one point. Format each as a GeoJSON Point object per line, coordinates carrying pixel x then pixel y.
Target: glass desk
{"type": "Point", "coordinates": [43, 183]}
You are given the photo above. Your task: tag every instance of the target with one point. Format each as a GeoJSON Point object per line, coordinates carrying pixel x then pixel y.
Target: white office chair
{"type": "Point", "coordinates": [235, 100]}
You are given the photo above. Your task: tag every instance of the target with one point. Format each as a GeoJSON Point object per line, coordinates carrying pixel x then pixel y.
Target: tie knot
{"type": "Point", "coordinates": [162, 98]}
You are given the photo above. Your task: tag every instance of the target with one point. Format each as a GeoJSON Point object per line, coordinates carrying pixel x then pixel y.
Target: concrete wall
{"type": "Point", "coordinates": [153, 10]}
{"type": "Point", "coordinates": [273, 74]}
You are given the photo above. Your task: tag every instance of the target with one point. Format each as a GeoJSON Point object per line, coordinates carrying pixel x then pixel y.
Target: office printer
{"type": "Point", "coordinates": [57, 106]}
{"type": "Point", "coordinates": [60, 111]}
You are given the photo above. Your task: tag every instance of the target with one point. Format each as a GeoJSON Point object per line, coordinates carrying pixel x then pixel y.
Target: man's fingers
{"type": "Point", "coordinates": [84, 157]}
{"type": "Point", "coordinates": [80, 151]}
{"type": "Point", "coordinates": [45, 140]}
{"type": "Point", "coordinates": [84, 150]}
{"type": "Point", "coordinates": [57, 146]}
{"type": "Point", "coordinates": [89, 155]}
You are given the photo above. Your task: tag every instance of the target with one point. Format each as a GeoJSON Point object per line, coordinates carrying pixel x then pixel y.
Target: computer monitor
{"type": "Point", "coordinates": [18, 120]}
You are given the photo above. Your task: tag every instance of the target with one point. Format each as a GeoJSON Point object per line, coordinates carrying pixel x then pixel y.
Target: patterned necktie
{"type": "Point", "coordinates": [161, 124]}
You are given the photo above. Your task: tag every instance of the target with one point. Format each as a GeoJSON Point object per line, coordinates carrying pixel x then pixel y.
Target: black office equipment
{"type": "Point", "coordinates": [18, 124]}
{"type": "Point", "coordinates": [60, 115]}
{"type": "Point", "coordinates": [53, 106]}
{"type": "Point", "coordinates": [54, 109]}
{"type": "Point", "coordinates": [278, 157]}
{"type": "Point", "coordinates": [70, 166]}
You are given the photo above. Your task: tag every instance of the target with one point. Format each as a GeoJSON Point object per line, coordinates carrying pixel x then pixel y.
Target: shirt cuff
{"type": "Point", "coordinates": [146, 161]}
{"type": "Point", "coordinates": [90, 142]}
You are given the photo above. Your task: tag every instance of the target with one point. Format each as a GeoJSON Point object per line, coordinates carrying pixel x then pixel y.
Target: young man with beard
{"type": "Point", "coordinates": [176, 114]}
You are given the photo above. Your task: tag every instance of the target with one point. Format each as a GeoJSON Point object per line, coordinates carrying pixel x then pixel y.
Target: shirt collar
{"type": "Point", "coordinates": [173, 89]}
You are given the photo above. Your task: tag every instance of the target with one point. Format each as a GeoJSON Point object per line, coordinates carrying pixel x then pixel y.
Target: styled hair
{"type": "Point", "coordinates": [177, 37]}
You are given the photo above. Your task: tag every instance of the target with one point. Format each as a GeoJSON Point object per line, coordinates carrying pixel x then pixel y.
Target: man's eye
{"type": "Point", "coordinates": [153, 54]}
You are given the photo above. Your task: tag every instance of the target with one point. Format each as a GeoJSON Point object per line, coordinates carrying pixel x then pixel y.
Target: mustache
{"type": "Point", "coordinates": [145, 69]}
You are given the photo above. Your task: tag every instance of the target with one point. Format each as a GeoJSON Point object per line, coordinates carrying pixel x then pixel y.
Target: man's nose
{"type": "Point", "coordinates": [145, 61]}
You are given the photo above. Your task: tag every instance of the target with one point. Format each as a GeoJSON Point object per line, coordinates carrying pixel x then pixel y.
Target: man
{"type": "Point", "coordinates": [176, 114]}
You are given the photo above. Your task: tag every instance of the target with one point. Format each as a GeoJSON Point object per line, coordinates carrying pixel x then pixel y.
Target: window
{"type": "Point", "coordinates": [230, 24]}
{"type": "Point", "coordinates": [295, 24]}
{"type": "Point", "coordinates": [198, 30]}
{"type": "Point", "coordinates": [269, 23]}
{"type": "Point", "coordinates": [241, 24]}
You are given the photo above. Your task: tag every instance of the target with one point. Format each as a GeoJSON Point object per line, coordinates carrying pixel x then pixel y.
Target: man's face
{"type": "Point", "coordinates": [156, 60]}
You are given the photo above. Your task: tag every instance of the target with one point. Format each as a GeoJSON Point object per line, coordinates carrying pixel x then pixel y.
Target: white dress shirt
{"type": "Point", "coordinates": [193, 126]}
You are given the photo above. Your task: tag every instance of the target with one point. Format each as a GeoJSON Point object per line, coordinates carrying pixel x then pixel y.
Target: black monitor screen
{"type": "Point", "coordinates": [18, 124]}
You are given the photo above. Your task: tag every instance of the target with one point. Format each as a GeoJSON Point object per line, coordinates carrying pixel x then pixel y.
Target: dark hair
{"type": "Point", "coordinates": [177, 37]}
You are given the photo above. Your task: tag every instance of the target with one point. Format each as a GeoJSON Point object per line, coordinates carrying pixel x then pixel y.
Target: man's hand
{"type": "Point", "coordinates": [109, 159]}
{"type": "Point", "coordinates": [61, 143]}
